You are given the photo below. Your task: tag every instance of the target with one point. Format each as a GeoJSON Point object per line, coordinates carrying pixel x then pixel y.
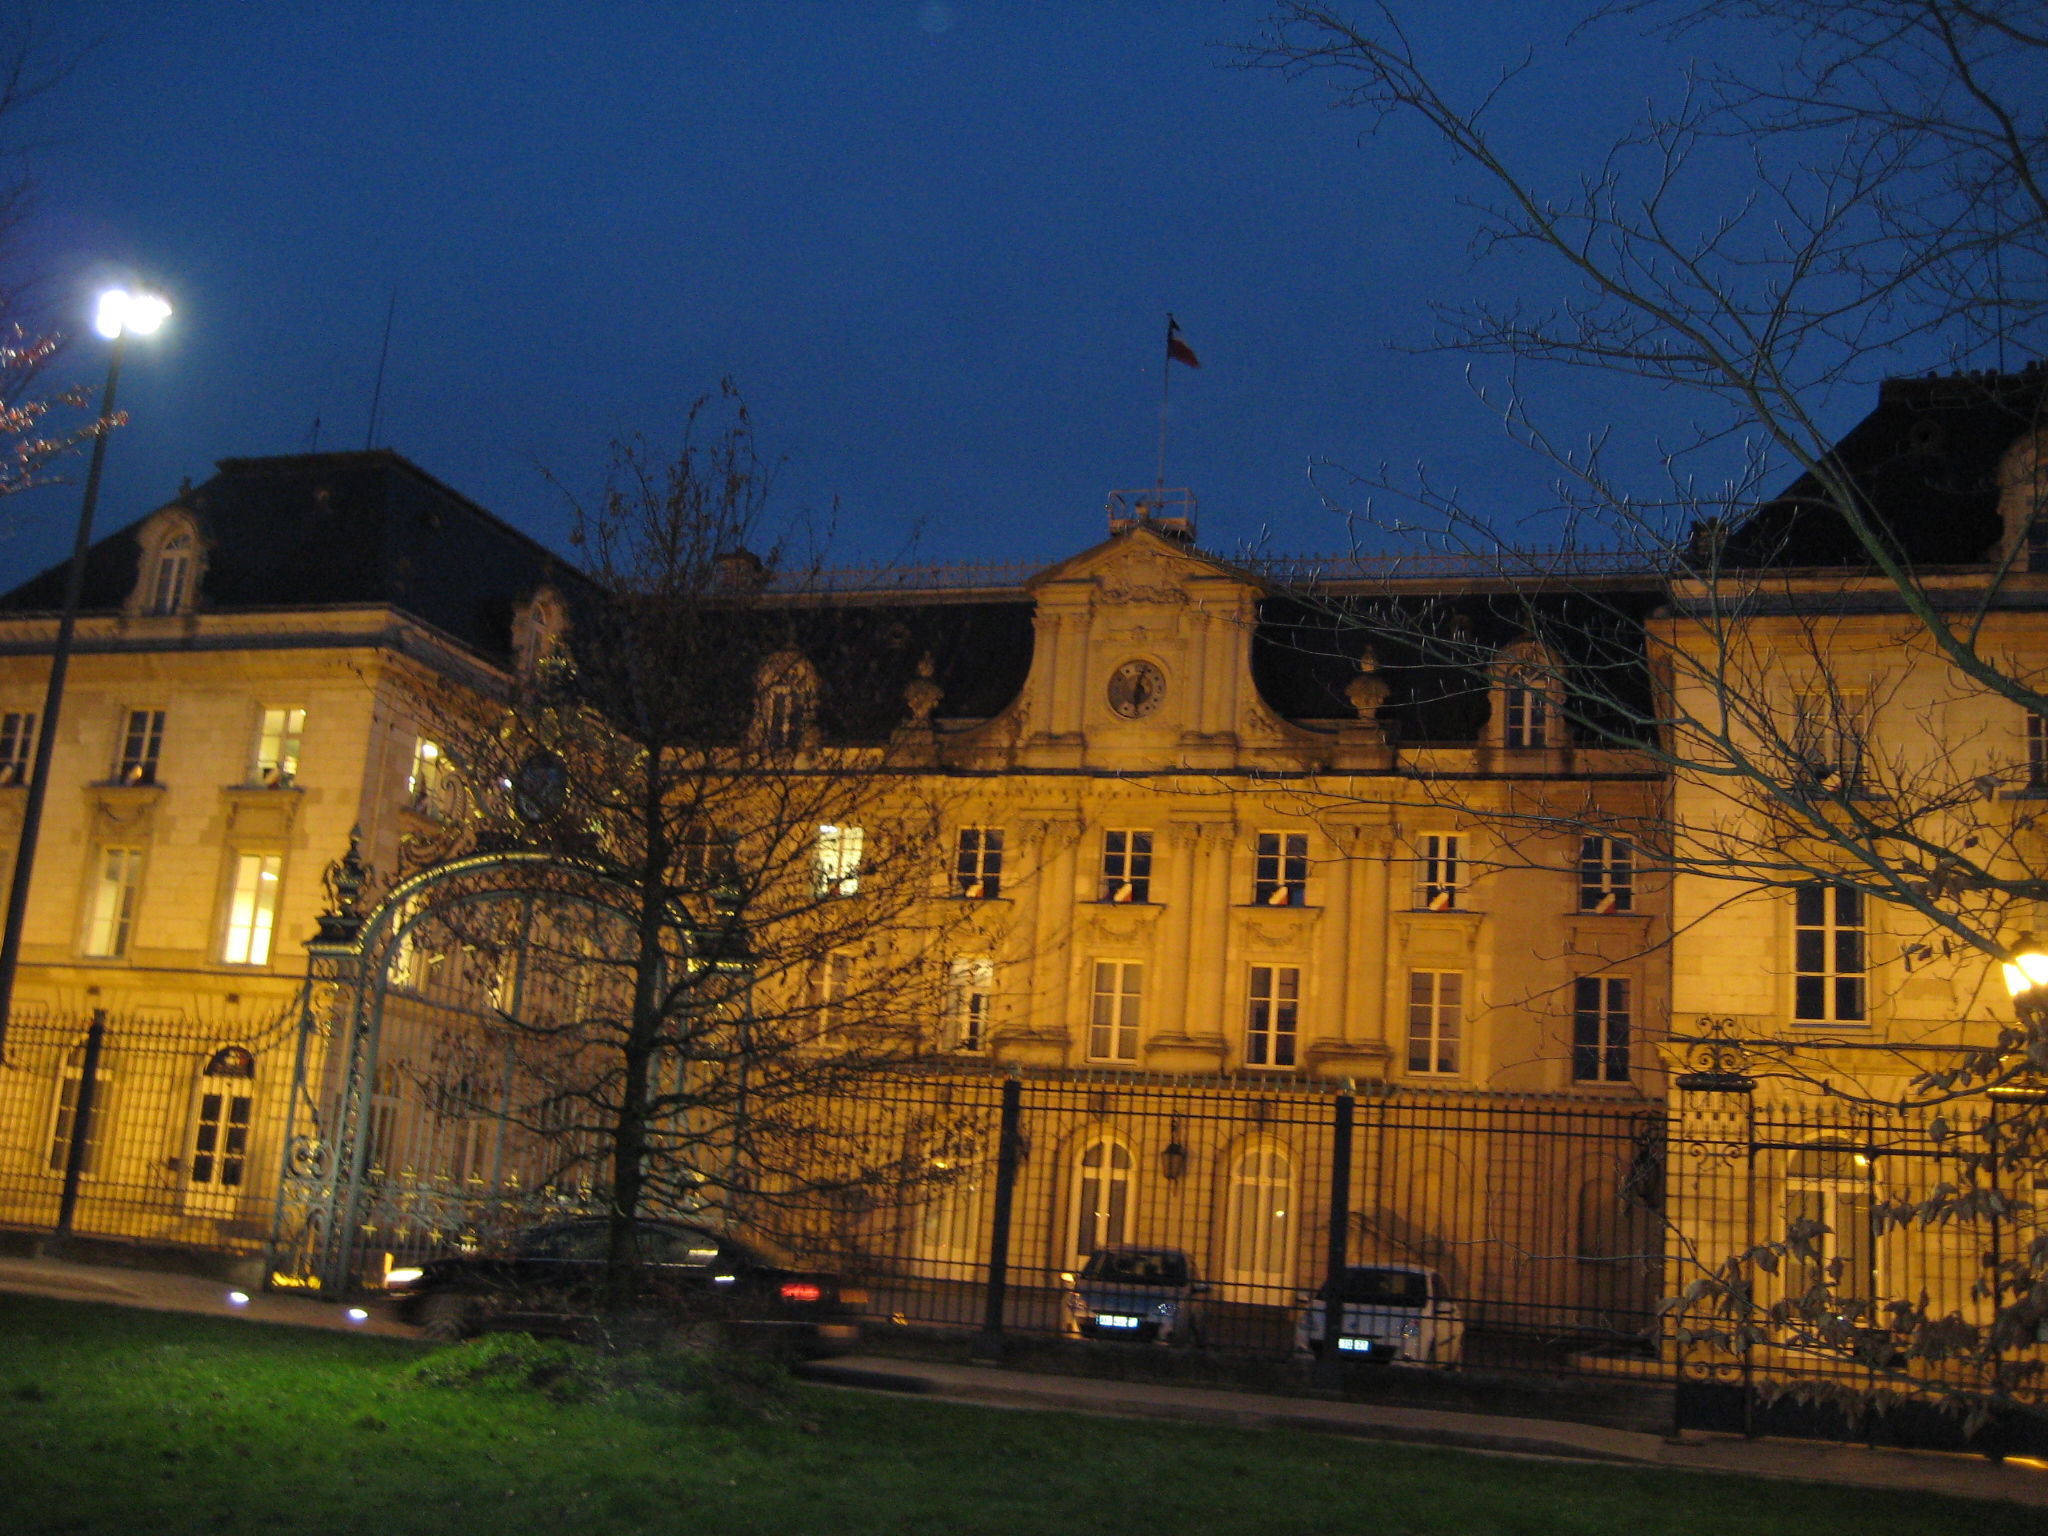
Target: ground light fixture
{"type": "Point", "coordinates": [121, 313]}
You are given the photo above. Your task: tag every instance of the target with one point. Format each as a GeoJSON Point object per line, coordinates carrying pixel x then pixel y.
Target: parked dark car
{"type": "Point", "coordinates": [1143, 1294]}
{"type": "Point", "coordinates": [551, 1278]}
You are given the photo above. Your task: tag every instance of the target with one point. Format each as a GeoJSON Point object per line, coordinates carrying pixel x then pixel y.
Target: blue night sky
{"type": "Point", "coordinates": [934, 242]}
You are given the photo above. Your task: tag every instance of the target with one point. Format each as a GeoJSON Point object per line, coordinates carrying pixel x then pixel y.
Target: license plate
{"type": "Point", "coordinates": [1111, 1320]}
{"type": "Point", "coordinates": [1360, 1346]}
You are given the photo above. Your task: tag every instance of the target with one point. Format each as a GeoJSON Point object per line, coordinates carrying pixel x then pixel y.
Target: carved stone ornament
{"type": "Point", "coordinates": [921, 694]}
{"type": "Point", "coordinates": [1136, 689]}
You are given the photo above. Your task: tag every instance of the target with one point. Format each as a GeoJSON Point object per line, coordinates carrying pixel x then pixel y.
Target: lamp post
{"type": "Point", "coordinates": [120, 315]}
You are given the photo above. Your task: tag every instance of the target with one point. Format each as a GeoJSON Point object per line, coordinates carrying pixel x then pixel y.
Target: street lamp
{"type": "Point", "coordinates": [2027, 969]}
{"type": "Point", "coordinates": [121, 313]}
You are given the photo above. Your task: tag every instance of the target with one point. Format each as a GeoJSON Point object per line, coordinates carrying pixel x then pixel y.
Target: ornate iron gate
{"type": "Point", "coordinates": [416, 1122]}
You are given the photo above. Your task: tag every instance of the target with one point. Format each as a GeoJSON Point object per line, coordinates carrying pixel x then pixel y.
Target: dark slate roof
{"type": "Point", "coordinates": [1433, 652]}
{"type": "Point", "coordinates": [337, 530]}
{"type": "Point", "coordinates": [1926, 459]}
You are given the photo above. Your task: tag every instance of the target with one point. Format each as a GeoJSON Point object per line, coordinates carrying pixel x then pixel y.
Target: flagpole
{"type": "Point", "coordinates": [1165, 384]}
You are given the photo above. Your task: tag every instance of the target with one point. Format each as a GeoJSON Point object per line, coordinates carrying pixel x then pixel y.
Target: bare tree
{"type": "Point", "coordinates": [1847, 670]}
{"type": "Point", "coordinates": [30, 441]}
{"type": "Point", "coordinates": [739, 924]}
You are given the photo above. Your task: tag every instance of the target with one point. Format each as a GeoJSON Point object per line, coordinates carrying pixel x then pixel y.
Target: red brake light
{"type": "Point", "coordinates": [801, 1290]}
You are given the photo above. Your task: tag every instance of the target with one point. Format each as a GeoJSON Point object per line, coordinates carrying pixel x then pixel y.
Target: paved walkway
{"type": "Point", "coordinates": [1970, 1477]}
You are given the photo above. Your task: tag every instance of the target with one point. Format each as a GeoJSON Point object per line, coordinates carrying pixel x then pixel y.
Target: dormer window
{"type": "Point", "coordinates": [171, 565]}
{"type": "Point", "coordinates": [538, 636]}
{"type": "Point", "coordinates": [785, 707]}
{"type": "Point", "coordinates": [168, 593]}
{"type": "Point", "coordinates": [1528, 686]}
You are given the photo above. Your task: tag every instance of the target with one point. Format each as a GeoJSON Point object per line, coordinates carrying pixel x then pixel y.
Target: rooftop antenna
{"type": "Point", "coordinates": [313, 436]}
{"type": "Point", "coordinates": [383, 356]}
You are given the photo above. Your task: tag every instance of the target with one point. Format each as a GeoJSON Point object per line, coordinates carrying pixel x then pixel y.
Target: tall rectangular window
{"type": "Point", "coordinates": [1829, 728]}
{"type": "Point", "coordinates": [277, 746]}
{"type": "Point", "coordinates": [1436, 1001]}
{"type": "Point", "coordinates": [252, 908]}
{"type": "Point", "coordinates": [110, 912]}
{"type": "Point", "coordinates": [837, 860]}
{"type": "Point", "coordinates": [142, 739]}
{"type": "Point", "coordinates": [835, 987]}
{"type": "Point", "coordinates": [1827, 954]}
{"type": "Point", "coordinates": [1113, 1013]}
{"type": "Point", "coordinates": [1439, 871]}
{"type": "Point", "coordinates": [173, 577]}
{"type": "Point", "coordinates": [1272, 1016]}
{"type": "Point", "coordinates": [1127, 866]}
{"type": "Point", "coordinates": [1280, 870]}
{"type": "Point", "coordinates": [62, 1124]}
{"type": "Point", "coordinates": [1607, 875]}
{"type": "Point", "coordinates": [970, 999]}
{"type": "Point", "coordinates": [978, 866]}
{"type": "Point", "coordinates": [1600, 1020]}
{"type": "Point", "coordinates": [2037, 751]}
{"type": "Point", "coordinates": [17, 746]}
{"type": "Point", "coordinates": [1524, 723]}
{"type": "Point", "coordinates": [428, 780]}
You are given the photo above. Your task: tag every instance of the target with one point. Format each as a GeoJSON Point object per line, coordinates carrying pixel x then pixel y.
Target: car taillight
{"type": "Point", "coordinates": [801, 1290]}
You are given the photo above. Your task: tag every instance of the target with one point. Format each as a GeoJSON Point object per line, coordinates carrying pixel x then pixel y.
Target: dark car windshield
{"type": "Point", "coordinates": [1137, 1268]}
{"type": "Point", "coordinates": [1385, 1287]}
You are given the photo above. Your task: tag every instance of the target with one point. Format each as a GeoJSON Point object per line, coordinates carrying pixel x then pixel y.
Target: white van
{"type": "Point", "coordinates": [1397, 1313]}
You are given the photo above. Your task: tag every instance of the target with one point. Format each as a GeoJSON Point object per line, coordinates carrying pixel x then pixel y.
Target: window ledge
{"type": "Point", "coordinates": [1261, 906]}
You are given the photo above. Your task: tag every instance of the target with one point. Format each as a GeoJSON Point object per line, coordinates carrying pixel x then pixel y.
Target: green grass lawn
{"type": "Point", "coordinates": [139, 1422]}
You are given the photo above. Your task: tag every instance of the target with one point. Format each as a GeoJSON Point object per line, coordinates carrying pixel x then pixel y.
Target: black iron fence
{"type": "Point", "coordinates": [142, 1129]}
{"type": "Point", "coordinates": [1537, 1219]}
{"type": "Point", "coordinates": [1843, 1266]}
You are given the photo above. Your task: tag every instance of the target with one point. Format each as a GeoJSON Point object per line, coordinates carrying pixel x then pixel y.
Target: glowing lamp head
{"type": "Point", "coordinates": [133, 314]}
{"type": "Point", "coordinates": [238, 1298]}
{"type": "Point", "coordinates": [357, 1315]}
{"type": "Point", "coordinates": [2028, 967]}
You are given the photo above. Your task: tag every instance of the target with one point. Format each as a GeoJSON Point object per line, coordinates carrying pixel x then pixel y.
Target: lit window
{"type": "Point", "coordinates": [1524, 724]}
{"type": "Point", "coordinates": [64, 1118]}
{"type": "Point", "coordinates": [1127, 867]}
{"type": "Point", "coordinates": [111, 914]}
{"type": "Point", "coordinates": [142, 740]}
{"type": "Point", "coordinates": [1272, 1016]}
{"type": "Point", "coordinates": [1600, 1018]}
{"type": "Point", "coordinates": [1607, 875]}
{"type": "Point", "coordinates": [1827, 1193]}
{"type": "Point", "coordinates": [838, 860]}
{"type": "Point", "coordinates": [428, 781]}
{"type": "Point", "coordinates": [1827, 954]}
{"type": "Point", "coordinates": [970, 997]}
{"type": "Point", "coordinates": [277, 746]}
{"type": "Point", "coordinates": [2037, 751]}
{"type": "Point", "coordinates": [252, 908]}
{"type": "Point", "coordinates": [1113, 1012]}
{"type": "Point", "coordinates": [1280, 870]}
{"type": "Point", "coordinates": [978, 871]}
{"type": "Point", "coordinates": [1439, 871]}
{"type": "Point", "coordinates": [17, 746]}
{"type": "Point", "coordinates": [1435, 1021]}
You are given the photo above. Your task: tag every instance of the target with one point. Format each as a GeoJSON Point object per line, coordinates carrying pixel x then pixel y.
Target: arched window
{"type": "Point", "coordinates": [1831, 1185]}
{"type": "Point", "coordinates": [170, 565]}
{"type": "Point", "coordinates": [1258, 1217]}
{"type": "Point", "coordinates": [223, 1109]}
{"type": "Point", "coordinates": [1528, 692]}
{"type": "Point", "coordinates": [1102, 1196]}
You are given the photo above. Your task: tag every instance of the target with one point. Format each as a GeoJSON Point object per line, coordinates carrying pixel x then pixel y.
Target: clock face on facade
{"type": "Point", "coordinates": [1135, 689]}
